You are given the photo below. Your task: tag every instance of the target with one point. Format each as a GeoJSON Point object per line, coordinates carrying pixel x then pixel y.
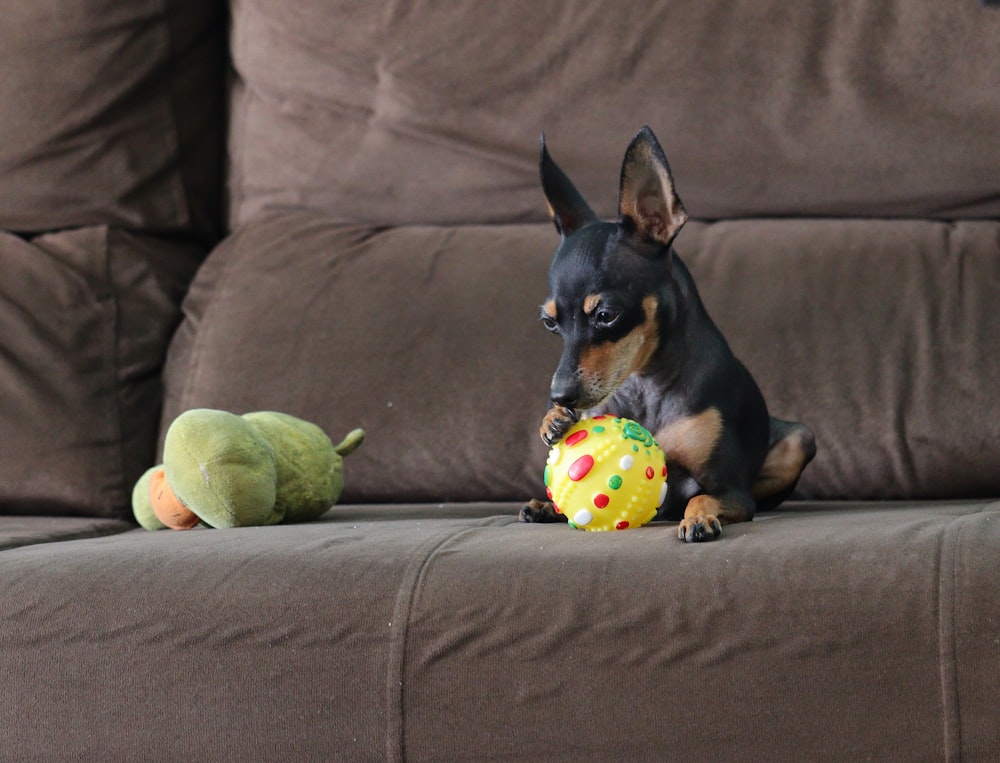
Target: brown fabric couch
{"type": "Point", "coordinates": [334, 211]}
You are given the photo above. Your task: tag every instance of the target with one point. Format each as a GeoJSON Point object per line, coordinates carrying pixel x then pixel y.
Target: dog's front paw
{"type": "Point", "coordinates": [699, 528]}
{"type": "Point", "coordinates": [540, 511]}
{"type": "Point", "coordinates": [556, 423]}
{"type": "Point", "coordinates": [703, 519]}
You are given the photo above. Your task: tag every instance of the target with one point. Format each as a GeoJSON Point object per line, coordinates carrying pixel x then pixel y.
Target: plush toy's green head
{"type": "Point", "coordinates": [239, 471]}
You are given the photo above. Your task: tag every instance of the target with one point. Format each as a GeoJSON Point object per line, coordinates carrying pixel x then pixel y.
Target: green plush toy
{"type": "Point", "coordinates": [225, 470]}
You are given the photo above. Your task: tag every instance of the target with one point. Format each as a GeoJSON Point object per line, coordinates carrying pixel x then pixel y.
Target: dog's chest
{"type": "Point", "coordinates": [687, 438]}
{"type": "Point", "coordinates": [691, 440]}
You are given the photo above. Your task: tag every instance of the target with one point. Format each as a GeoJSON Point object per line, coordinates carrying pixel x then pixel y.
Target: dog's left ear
{"type": "Point", "coordinates": [647, 198]}
{"type": "Point", "coordinates": [568, 209]}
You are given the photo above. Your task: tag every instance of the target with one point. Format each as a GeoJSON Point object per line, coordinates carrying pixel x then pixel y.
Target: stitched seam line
{"type": "Point", "coordinates": [947, 588]}
{"type": "Point", "coordinates": [399, 640]}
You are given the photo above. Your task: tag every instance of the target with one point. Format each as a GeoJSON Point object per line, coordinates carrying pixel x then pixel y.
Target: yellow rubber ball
{"type": "Point", "coordinates": [607, 473]}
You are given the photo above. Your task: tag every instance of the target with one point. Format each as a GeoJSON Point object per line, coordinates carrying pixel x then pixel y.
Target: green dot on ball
{"type": "Point", "coordinates": [615, 482]}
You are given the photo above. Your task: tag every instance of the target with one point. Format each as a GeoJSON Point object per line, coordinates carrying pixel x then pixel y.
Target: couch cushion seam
{"type": "Point", "coordinates": [400, 636]}
{"type": "Point", "coordinates": [948, 658]}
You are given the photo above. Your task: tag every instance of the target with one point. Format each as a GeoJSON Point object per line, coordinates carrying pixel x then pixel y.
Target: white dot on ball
{"type": "Point", "coordinates": [626, 463]}
{"type": "Point", "coordinates": [554, 455]}
{"type": "Point", "coordinates": [583, 517]}
{"type": "Point", "coordinates": [663, 495]}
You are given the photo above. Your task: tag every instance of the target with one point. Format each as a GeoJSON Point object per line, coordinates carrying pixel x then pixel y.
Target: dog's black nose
{"type": "Point", "coordinates": [565, 393]}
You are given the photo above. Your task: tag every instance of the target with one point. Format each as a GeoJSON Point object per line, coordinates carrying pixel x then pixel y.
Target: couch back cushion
{"type": "Point", "coordinates": [86, 316]}
{"type": "Point", "coordinates": [422, 112]}
{"type": "Point", "coordinates": [428, 337]}
{"type": "Point", "coordinates": [111, 134]}
{"type": "Point", "coordinates": [111, 113]}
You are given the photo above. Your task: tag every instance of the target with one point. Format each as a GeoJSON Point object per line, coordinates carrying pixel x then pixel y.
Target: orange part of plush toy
{"type": "Point", "coordinates": [167, 506]}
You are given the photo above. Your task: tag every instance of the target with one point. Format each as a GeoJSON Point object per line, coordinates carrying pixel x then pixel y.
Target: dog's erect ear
{"type": "Point", "coordinates": [568, 209]}
{"type": "Point", "coordinates": [647, 197]}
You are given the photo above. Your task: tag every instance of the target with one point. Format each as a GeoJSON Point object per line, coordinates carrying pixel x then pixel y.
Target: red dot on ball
{"type": "Point", "coordinates": [650, 473]}
{"type": "Point", "coordinates": [548, 493]}
{"type": "Point", "coordinates": [621, 524]}
{"type": "Point", "coordinates": [580, 468]}
{"type": "Point", "coordinates": [601, 501]}
{"type": "Point", "coordinates": [576, 438]}
{"type": "Point", "coordinates": [664, 470]}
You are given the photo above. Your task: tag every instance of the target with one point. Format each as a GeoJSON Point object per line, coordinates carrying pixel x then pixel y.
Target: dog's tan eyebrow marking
{"type": "Point", "coordinates": [590, 303]}
{"type": "Point", "coordinates": [549, 309]}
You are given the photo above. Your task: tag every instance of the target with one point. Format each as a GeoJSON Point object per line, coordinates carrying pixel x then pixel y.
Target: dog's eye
{"type": "Point", "coordinates": [550, 324]}
{"type": "Point", "coordinates": [606, 317]}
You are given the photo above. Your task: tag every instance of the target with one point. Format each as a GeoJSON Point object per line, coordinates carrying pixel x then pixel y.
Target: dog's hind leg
{"type": "Point", "coordinates": [790, 448]}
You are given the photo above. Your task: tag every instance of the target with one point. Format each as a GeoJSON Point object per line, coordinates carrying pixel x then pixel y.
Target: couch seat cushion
{"type": "Point", "coordinates": [457, 633]}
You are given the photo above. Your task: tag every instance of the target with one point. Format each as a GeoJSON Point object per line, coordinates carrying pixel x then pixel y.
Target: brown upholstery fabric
{"type": "Point", "coordinates": [429, 113]}
{"type": "Point", "coordinates": [403, 633]}
{"type": "Point", "coordinates": [21, 531]}
{"type": "Point", "coordinates": [111, 113]}
{"type": "Point", "coordinates": [876, 334]}
{"type": "Point", "coordinates": [870, 331]}
{"type": "Point", "coordinates": [374, 147]}
{"type": "Point", "coordinates": [426, 337]}
{"type": "Point", "coordinates": [86, 316]}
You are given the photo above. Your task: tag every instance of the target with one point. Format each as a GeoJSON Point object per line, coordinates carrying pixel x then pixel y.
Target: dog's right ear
{"type": "Point", "coordinates": [647, 199]}
{"type": "Point", "coordinates": [568, 209]}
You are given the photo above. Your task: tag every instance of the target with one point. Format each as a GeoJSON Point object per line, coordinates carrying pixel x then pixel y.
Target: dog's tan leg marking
{"type": "Point", "coordinates": [784, 463]}
{"type": "Point", "coordinates": [690, 441]}
{"type": "Point", "coordinates": [705, 515]}
{"type": "Point", "coordinates": [701, 519]}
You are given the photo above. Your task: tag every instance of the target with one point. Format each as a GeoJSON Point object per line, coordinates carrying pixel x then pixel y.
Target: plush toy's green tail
{"type": "Point", "coordinates": [350, 443]}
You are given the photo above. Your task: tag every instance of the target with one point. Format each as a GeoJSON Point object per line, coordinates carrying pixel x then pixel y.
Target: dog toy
{"type": "Point", "coordinates": [225, 470]}
{"type": "Point", "coordinates": [606, 473]}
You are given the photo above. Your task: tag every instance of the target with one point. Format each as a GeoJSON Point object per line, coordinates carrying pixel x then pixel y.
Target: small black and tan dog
{"type": "Point", "coordinates": [639, 343]}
